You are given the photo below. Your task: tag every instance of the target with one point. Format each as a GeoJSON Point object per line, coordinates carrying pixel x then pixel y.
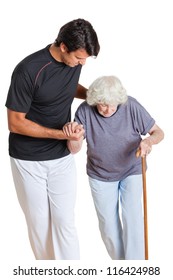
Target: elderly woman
{"type": "Point", "coordinates": [113, 124]}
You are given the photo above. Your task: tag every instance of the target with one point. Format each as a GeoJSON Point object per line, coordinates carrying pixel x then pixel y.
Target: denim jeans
{"type": "Point", "coordinates": [119, 209]}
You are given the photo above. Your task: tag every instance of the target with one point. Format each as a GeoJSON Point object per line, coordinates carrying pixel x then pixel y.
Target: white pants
{"type": "Point", "coordinates": [46, 192]}
{"type": "Point", "coordinates": [119, 210]}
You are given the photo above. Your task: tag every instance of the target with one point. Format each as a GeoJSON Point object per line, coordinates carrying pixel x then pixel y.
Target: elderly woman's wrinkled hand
{"type": "Point", "coordinates": [145, 147]}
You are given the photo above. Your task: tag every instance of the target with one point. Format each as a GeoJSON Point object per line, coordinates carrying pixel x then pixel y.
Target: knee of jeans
{"type": "Point", "coordinates": [106, 226]}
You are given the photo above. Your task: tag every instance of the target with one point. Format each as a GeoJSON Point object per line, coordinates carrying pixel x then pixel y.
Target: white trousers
{"type": "Point", "coordinates": [120, 214]}
{"type": "Point", "coordinates": [46, 192]}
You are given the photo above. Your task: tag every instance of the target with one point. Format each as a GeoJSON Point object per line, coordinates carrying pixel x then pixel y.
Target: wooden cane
{"type": "Point", "coordinates": [143, 160]}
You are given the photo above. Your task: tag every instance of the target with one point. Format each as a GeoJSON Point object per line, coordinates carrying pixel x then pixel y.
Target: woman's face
{"type": "Point", "coordinates": [106, 110]}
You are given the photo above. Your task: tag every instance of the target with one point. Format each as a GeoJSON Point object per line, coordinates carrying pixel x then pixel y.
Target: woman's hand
{"type": "Point", "coordinates": [73, 131]}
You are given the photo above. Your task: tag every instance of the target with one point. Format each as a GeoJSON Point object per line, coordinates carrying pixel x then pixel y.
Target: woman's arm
{"type": "Point", "coordinates": [156, 135]}
{"type": "Point", "coordinates": [74, 146]}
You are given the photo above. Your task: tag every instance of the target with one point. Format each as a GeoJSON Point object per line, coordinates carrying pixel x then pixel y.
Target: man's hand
{"type": "Point", "coordinates": [73, 131]}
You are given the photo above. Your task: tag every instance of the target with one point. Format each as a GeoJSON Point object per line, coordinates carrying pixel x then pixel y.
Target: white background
{"type": "Point", "coordinates": [137, 46]}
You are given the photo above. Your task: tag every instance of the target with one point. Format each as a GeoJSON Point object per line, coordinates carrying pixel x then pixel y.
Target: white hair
{"type": "Point", "coordinates": [107, 90]}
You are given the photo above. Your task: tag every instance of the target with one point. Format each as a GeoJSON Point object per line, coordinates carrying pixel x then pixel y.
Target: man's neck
{"type": "Point", "coordinates": [55, 52]}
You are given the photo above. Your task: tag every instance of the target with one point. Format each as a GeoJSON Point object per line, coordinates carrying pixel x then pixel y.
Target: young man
{"type": "Point", "coordinates": [42, 89]}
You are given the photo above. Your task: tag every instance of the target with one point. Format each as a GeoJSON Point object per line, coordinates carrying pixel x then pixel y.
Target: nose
{"type": "Point", "coordinates": [109, 109]}
{"type": "Point", "coordinates": [82, 62]}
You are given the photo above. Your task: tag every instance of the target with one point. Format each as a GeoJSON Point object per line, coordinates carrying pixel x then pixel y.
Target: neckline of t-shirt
{"type": "Point", "coordinates": [116, 112]}
{"type": "Point", "coordinates": [51, 57]}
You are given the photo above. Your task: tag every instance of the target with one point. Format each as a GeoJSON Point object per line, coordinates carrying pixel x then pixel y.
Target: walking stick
{"type": "Point", "coordinates": [143, 160]}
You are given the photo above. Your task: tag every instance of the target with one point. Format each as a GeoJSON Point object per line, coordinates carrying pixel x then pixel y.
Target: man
{"type": "Point", "coordinates": [39, 100]}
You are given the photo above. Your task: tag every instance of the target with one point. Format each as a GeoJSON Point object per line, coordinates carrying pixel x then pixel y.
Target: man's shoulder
{"type": "Point", "coordinates": [36, 55]}
{"type": "Point", "coordinates": [31, 61]}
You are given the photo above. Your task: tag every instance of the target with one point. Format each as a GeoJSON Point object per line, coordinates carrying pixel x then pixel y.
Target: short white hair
{"type": "Point", "coordinates": [106, 90]}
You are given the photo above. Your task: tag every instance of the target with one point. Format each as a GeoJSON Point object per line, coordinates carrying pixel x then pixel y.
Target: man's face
{"type": "Point", "coordinates": [75, 58]}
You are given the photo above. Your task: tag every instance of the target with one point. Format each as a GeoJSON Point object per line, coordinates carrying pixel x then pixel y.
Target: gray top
{"type": "Point", "coordinates": [113, 141]}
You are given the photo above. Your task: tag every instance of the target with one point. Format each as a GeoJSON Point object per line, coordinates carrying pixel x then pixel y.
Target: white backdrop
{"type": "Point", "coordinates": [136, 45]}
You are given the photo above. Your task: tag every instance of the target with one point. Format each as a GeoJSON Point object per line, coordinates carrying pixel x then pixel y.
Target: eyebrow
{"type": "Point", "coordinates": [81, 57]}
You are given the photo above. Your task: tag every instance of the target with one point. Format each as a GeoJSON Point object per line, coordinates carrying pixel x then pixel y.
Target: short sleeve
{"type": "Point", "coordinates": [80, 115]}
{"type": "Point", "coordinates": [142, 119]}
{"type": "Point", "coordinates": [20, 92]}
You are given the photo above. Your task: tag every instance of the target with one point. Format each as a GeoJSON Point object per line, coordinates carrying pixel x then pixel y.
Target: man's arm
{"type": "Point", "coordinates": [17, 123]}
{"type": "Point", "coordinates": [81, 92]}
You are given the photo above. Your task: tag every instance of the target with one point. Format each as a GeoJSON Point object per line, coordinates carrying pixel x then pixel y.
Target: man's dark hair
{"type": "Point", "coordinates": [79, 34]}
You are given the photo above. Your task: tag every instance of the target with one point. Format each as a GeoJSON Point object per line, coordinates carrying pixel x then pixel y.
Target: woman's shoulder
{"type": "Point", "coordinates": [133, 102]}
{"type": "Point", "coordinates": [84, 106]}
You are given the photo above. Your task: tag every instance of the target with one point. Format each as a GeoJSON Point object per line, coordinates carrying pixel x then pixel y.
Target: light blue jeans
{"type": "Point", "coordinates": [119, 209]}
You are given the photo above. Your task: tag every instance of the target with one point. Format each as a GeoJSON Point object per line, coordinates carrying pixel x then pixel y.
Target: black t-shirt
{"type": "Point", "coordinates": [44, 89]}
